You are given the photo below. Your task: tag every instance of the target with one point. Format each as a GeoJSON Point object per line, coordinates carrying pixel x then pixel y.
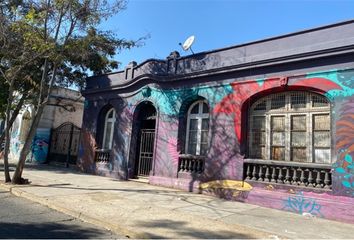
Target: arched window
{"type": "Point", "coordinates": [197, 128]}
{"type": "Point", "coordinates": [291, 126]}
{"type": "Point", "coordinates": [109, 129]}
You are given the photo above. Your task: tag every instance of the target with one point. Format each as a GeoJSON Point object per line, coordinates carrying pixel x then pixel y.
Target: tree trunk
{"type": "Point", "coordinates": [17, 177]}
{"type": "Point", "coordinates": [44, 95]}
{"type": "Point", "coordinates": [6, 153]}
{"type": "Point", "coordinates": [7, 133]}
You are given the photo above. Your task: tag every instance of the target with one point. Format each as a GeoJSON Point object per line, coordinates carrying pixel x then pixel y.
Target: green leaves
{"type": "Point", "coordinates": [64, 31]}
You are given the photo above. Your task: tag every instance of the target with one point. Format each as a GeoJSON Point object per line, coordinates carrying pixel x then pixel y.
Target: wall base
{"type": "Point", "coordinates": [321, 205]}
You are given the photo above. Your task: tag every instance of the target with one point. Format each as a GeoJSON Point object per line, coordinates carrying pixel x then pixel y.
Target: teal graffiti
{"type": "Point", "coordinates": [169, 101]}
{"type": "Point", "coordinates": [146, 92]}
{"type": "Point", "coordinates": [344, 78]}
{"type": "Point", "coordinates": [40, 145]}
{"type": "Point", "coordinates": [346, 171]}
{"type": "Point", "coordinates": [300, 204]}
{"type": "Point", "coordinates": [260, 81]}
{"type": "Point", "coordinates": [86, 104]}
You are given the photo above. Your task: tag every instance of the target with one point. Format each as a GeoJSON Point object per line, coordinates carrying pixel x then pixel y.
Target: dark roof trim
{"type": "Point", "coordinates": [227, 69]}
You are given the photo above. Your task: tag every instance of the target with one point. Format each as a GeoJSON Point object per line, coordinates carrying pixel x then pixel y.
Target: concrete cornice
{"type": "Point", "coordinates": [331, 40]}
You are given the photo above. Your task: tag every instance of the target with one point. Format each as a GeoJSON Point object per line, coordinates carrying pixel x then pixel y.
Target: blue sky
{"type": "Point", "coordinates": [216, 23]}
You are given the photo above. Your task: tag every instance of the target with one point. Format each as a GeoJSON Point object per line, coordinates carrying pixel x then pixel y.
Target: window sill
{"type": "Point", "coordinates": [309, 175]}
{"type": "Point", "coordinates": [287, 187]}
{"type": "Point", "coordinates": [190, 156]}
{"type": "Point", "coordinates": [102, 150]}
{"type": "Point", "coordinates": [288, 164]}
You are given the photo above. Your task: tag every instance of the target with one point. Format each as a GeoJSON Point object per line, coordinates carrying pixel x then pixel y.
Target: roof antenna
{"type": "Point", "coordinates": [187, 45]}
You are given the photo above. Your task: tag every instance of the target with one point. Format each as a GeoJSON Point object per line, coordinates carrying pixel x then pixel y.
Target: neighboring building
{"type": "Point", "coordinates": [269, 122]}
{"type": "Point", "coordinates": [65, 107]}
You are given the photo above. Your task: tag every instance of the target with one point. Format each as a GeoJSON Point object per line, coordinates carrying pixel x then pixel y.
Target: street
{"type": "Point", "coordinates": [20, 218]}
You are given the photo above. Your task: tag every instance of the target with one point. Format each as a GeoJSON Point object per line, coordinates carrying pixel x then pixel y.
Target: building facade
{"type": "Point", "coordinates": [65, 106]}
{"type": "Point", "coordinates": [269, 122]}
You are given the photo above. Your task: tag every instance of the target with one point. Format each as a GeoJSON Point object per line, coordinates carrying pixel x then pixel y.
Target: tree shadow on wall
{"type": "Point", "coordinates": [224, 160]}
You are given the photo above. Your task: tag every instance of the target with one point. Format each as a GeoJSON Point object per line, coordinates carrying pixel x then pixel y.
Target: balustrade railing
{"type": "Point", "coordinates": [102, 155]}
{"type": "Point", "coordinates": [190, 164]}
{"type": "Point", "coordinates": [290, 173]}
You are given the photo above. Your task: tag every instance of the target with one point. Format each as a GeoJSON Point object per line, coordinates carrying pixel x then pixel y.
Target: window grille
{"type": "Point", "coordinates": [261, 106]}
{"type": "Point", "coordinates": [277, 101]}
{"type": "Point", "coordinates": [291, 126]}
{"type": "Point", "coordinates": [298, 100]}
{"type": "Point", "coordinates": [319, 101]}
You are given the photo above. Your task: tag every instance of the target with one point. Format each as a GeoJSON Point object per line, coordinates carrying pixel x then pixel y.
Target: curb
{"type": "Point", "coordinates": [119, 230]}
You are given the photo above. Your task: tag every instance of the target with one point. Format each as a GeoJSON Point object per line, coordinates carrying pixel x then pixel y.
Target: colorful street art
{"type": "Point", "coordinates": [232, 104]}
{"type": "Point", "coordinates": [40, 145]}
{"type": "Point", "coordinates": [344, 167]}
{"type": "Point", "coordinates": [302, 205]}
{"type": "Point", "coordinates": [228, 102]}
{"type": "Point", "coordinates": [345, 172]}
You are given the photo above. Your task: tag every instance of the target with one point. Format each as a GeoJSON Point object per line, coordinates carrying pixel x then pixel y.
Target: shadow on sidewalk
{"type": "Point", "coordinates": [46, 231]}
{"type": "Point", "coordinates": [44, 167]}
{"type": "Point", "coordinates": [182, 229]}
{"type": "Point", "coordinates": [139, 188]}
{"type": "Point", "coordinates": [189, 198]}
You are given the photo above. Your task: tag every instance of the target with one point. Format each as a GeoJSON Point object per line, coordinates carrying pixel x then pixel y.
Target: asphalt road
{"type": "Point", "coordinates": [21, 218]}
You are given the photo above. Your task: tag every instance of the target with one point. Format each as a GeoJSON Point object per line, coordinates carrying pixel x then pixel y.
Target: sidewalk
{"type": "Point", "coordinates": [140, 210]}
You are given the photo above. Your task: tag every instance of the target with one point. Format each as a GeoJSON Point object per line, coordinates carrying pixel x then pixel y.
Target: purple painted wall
{"type": "Point", "coordinates": [229, 85]}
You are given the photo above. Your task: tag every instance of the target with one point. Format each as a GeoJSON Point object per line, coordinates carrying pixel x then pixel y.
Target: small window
{"type": "Point", "coordinates": [277, 101]}
{"type": "Point", "coordinates": [197, 129]}
{"type": "Point", "coordinates": [109, 129]}
{"type": "Point", "coordinates": [319, 101]}
{"type": "Point", "coordinates": [291, 126]}
{"type": "Point", "coordinates": [298, 100]}
{"type": "Point", "coordinates": [261, 106]}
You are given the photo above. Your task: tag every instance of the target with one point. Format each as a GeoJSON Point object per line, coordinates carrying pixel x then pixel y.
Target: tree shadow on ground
{"type": "Point", "coordinates": [48, 231]}
{"type": "Point", "coordinates": [46, 167]}
{"type": "Point", "coordinates": [181, 228]}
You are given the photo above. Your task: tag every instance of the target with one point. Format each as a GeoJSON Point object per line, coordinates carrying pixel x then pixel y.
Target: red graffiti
{"type": "Point", "coordinates": [322, 84]}
{"type": "Point", "coordinates": [345, 131]}
{"type": "Point", "coordinates": [232, 104]}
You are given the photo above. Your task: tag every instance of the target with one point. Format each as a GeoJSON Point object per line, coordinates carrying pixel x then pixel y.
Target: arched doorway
{"type": "Point", "coordinates": [144, 126]}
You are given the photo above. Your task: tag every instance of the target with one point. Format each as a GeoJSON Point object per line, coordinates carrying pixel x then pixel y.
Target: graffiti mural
{"type": "Point", "coordinates": [229, 102]}
{"type": "Point", "coordinates": [233, 103]}
{"type": "Point", "coordinates": [302, 205]}
{"type": "Point", "coordinates": [40, 145]}
{"type": "Point", "coordinates": [347, 172]}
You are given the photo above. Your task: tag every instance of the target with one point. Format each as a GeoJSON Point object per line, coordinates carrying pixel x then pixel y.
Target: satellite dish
{"type": "Point", "coordinates": [188, 44]}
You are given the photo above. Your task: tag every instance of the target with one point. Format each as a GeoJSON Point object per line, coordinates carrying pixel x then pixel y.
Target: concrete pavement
{"type": "Point", "coordinates": [140, 210]}
{"type": "Point", "coordinates": [24, 219]}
